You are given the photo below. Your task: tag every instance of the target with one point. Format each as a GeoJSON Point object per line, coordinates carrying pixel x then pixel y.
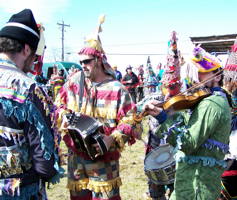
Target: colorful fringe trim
{"type": "Point", "coordinates": [96, 186]}
{"type": "Point", "coordinates": [205, 160]}
{"type": "Point", "coordinates": [119, 140]}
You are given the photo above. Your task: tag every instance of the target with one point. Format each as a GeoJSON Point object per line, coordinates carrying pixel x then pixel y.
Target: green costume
{"type": "Point", "coordinates": [200, 138]}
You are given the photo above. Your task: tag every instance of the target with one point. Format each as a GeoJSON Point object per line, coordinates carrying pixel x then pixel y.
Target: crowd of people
{"type": "Point", "coordinates": [198, 133]}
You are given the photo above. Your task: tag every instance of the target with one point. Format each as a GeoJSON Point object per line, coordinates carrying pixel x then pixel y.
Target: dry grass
{"type": "Point", "coordinates": [131, 172]}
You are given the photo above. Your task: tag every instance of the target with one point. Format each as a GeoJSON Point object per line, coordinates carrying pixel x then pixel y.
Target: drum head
{"type": "Point", "coordinates": [159, 157]}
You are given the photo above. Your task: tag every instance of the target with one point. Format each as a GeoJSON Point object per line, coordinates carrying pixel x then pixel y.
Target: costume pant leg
{"type": "Point", "coordinates": [111, 195]}
{"type": "Point", "coordinates": [104, 180]}
{"type": "Point", "coordinates": [140, 93]}
{"type": "Point", "coordinates": [156, 192]}
{"type": "Point", "coordinates": [169, 189]}
{"type": "Point", "coordinates": [77, 178]}
{"type": "Point", "coordinates": [101, 179]}
{"type": "Point", "coordinates": [81, 195]}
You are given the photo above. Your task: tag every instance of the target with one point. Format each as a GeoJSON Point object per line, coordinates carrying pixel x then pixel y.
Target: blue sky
{"type": "Point", "coordinates": [131, 26]}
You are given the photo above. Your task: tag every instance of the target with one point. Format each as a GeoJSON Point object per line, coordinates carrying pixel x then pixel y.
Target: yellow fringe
{"type": "Point", "coordinates": [104, 186]}
{"type": "Point", "coordinates": [43, 99]}
{"type": "Point", "coordinates": [119, 139]}
{"type": "Point", "coordinates": [96, 186]}
{"type": "Point", "coordinates": [78, 185]}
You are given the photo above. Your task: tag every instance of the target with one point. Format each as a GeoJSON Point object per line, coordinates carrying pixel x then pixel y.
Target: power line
{"type": "Point", "coordinates": [135, 54]}
{"type": "Point", "coordinates": [140, 44]}
{"type": "Point", "coordinates": [63, 30]}
{"type": "Point", "coordinates": [140, 54]}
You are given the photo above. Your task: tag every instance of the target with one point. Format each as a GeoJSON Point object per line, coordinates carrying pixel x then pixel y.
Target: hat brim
{"type": "Point", "coordinates": [20, 35]}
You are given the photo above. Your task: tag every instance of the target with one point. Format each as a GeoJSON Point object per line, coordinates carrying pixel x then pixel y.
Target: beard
{"type": "Point", "coordinates": [28, 64]}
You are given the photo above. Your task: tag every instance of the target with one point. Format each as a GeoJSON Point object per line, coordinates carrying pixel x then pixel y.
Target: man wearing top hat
{"type": "Point", "coordinates": [28, 155]}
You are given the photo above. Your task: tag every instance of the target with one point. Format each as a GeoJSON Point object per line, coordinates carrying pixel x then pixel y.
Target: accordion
{"type": "Point", "coordinates": [85, 131]}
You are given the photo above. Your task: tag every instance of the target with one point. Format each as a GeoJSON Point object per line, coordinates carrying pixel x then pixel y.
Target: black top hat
{"type": "Point", "coordinates": [22, 27]}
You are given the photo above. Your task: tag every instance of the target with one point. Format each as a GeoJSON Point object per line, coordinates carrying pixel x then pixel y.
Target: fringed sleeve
{"type": "Point", "coordinates": [127, 129]}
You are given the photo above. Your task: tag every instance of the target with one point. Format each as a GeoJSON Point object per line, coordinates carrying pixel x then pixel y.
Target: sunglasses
{"type": "Point", "coordinates": [86, 61]}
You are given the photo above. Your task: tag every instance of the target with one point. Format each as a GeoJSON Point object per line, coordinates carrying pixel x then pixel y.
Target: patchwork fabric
{"type": "Point", "coordinates": [100, 177]}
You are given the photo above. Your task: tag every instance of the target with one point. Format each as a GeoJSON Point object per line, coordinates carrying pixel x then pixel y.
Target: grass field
{"type": "Point", "coordinates": [131, 172]}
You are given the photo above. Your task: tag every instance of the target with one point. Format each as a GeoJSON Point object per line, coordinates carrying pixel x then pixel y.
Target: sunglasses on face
{"type": "Point", "coordinates": [86, 61]}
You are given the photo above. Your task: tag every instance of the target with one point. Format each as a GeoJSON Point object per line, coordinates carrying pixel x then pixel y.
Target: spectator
{"type": "Point", "coordinates": [130, 80]}
{"type": "Point", "coordinates": [118, 74]}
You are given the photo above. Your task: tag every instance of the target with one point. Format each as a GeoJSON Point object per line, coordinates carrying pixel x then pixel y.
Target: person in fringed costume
{"type": "Point", "coordinates": [171, 75]}
{"type": "Point", "coordinates": [151, 81]}
{"type": "Point", "coordinates": [107, 100]}
{"type": "Point", "coordinates": [229, 177]}
{"type": "Point", "coordinates": [56, 82]}
{"type": "Point", "coordinates": [158, 191]}
{"type": "Point", "coordinates": [200, 136]}
{"type": "Point", "coordinates": [159, 74]}
{"type": "Point", "coordinates": [28, 140]}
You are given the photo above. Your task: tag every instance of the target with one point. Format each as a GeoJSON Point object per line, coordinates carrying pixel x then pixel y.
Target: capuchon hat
{"type": "Point", "coordinates": [230, 70]}
{"type": "Point", "coordinates": [22, 27]}
{"type": "Point", "coordinates": [94, 47]}
{"type": "Point", "coordinates": [172, 70]}
{"type": "Point", "coordinates": [92, 43]}
{"type": "Point", "coordinates": [205, 61]}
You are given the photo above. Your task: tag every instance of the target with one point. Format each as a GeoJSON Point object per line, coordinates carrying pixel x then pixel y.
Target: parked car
{"type": "Point", "coordinates": [47, 68]}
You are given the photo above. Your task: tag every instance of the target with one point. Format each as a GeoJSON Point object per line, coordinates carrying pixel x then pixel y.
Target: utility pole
{"type": "Point", "coordinates": [63, 30]}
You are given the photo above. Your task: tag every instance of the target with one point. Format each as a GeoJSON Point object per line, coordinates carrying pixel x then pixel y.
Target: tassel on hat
{"type": "Point", "coordinates": [93, 46]}
{"type": "Point", "coordinates": [41, 45]}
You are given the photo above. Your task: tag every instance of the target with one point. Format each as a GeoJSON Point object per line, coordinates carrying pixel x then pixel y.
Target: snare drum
{"type": "Point", "coordinates": [159, 165]}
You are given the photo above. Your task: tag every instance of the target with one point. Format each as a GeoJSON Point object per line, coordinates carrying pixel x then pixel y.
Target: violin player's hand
{"type": "Point", "coordinates": [152, 108]}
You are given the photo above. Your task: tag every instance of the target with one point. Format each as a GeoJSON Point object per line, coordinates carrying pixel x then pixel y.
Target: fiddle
{"type": "Point", "coordinates": [179, 102]}
{"type": "Point", "coordinates": [184, 100]}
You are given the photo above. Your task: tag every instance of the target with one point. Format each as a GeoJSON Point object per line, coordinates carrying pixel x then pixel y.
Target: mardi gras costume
{"type": "Point", "coordinates": [200, 138]}
{"type": "Point", "coordinates": [151, 81]}
{"type": "Point", "coordinates": [229, 177]}
{"type": "Point", "coordinates": [110, 103]}
{"type": "Point", "coordinates": [56, 82]}
{"type": "Point", "coordinates": [28, 154]}
{"type": "Point", "coordinates": [171, 75]}
{"type": "Point", "coordinates": [157, 191]}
